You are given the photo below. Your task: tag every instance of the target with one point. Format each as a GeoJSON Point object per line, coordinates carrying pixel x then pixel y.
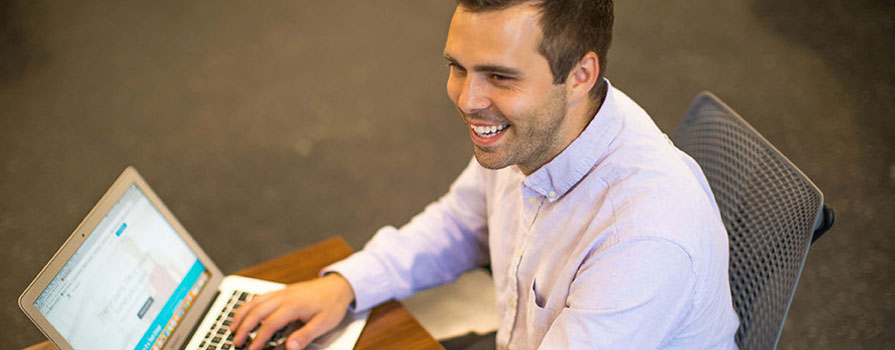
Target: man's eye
{"type": "Point", "coordinates": [500, 77]}
{"type": "Point", "coordinates": [454, 66]}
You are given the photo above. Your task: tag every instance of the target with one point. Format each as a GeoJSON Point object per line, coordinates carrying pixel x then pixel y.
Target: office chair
{"type": "Point", "coordinates": [771, 210]}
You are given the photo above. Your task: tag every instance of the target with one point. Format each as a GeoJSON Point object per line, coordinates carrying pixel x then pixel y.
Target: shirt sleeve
{"type": "Point", "coordinates": [628, 296]}
{"type": "Point", "coordinates": [448, 238]}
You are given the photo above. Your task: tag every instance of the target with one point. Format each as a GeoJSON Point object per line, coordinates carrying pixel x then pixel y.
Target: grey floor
{"type": "Point", "coordinates": [266, 126]}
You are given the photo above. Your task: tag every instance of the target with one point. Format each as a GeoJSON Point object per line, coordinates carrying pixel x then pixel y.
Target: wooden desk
{"type": "Point", "coordinates": [390, 325]}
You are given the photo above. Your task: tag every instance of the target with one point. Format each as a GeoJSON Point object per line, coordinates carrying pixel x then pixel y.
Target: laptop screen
{"type": "Point", "coordinates": [128, 285]}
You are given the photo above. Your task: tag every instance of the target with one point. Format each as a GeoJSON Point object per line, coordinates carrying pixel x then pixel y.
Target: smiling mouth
{"type": "Point", "coordinates": [488, 132]}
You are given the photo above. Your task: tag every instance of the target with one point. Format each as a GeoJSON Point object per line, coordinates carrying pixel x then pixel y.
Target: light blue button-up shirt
{"type": "Point", "coordinates": [614, 244]}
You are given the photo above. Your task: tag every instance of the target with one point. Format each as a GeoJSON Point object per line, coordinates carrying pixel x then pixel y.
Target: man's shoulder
{"type": "Point", "coordinates": [653, 193]}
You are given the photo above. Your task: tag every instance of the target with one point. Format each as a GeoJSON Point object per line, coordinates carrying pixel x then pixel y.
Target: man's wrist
{"type": "Point", "coordinates": [346, 292]}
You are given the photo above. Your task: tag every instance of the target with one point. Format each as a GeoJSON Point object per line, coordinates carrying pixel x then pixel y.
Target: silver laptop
{"type": "Point", "coordinates": [130, 277]}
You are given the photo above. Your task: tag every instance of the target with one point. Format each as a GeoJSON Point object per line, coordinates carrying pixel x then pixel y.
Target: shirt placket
{"type": "Point", "coordinates": [530, 212]}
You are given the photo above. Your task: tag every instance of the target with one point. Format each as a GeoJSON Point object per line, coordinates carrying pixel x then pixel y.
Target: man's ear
{"type": "Point", "coordinates": [583, 76]}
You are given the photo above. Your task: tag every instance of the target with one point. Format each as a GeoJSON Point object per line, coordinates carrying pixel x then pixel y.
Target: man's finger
{"type": "Point", "coordinates": [255, 315]}
{"type": "Point", "coordinates": [278, 319]}
{"type": "Point", "coordinates": [316, 326]}
{"type": "Point", "coordinates": [243, 310]}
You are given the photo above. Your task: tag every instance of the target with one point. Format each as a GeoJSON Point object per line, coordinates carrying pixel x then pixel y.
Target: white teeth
{"type": "Point", "coordinates": [488, 131]}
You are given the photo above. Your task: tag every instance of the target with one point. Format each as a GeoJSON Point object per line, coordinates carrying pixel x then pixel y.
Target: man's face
{"type": "Point", "coordinates": [503, 88]}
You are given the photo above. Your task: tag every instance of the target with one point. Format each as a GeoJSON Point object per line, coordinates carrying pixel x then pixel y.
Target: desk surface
{"type": "Point", "coordinates": [390, 325]}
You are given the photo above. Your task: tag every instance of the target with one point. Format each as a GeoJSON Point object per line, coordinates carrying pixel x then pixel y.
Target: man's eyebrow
{"type": "Point", "coordinates": [450, 59]}
{"type": "Point", "coordinates": [491, 68]}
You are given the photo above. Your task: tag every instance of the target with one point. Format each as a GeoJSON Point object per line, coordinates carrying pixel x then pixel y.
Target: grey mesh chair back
{"type": "Point", "coordinates": [770, 208]}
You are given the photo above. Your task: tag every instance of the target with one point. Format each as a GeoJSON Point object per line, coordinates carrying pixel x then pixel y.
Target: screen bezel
{"type": "Point", "coordinates": [129, 176]}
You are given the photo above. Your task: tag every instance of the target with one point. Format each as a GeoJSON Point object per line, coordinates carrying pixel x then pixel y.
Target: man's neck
{"type": "Point", "coordinates": [582, 114]}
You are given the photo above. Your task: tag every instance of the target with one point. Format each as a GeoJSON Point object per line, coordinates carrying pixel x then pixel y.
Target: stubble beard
{"type": "Point", "coordinates": [528, 144]}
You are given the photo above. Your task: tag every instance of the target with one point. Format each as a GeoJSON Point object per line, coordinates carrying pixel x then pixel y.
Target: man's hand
{"type": "Point", "coordinates": [319, 303]}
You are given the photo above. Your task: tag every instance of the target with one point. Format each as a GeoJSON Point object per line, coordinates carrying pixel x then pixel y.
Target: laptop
{"type": "Point", "coordinates": [130, 277]}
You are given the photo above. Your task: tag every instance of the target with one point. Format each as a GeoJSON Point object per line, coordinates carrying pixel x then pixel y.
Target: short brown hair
{"type": "Point", "coordinates": [571, 29]}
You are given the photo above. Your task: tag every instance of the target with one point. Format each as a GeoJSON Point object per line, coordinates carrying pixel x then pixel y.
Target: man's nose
{"type": "Point", "coordinates": [473, 96]}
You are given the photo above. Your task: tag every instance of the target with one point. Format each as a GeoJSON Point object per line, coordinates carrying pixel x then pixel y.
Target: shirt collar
{"type": "Point", "coordinates": [559, 175]}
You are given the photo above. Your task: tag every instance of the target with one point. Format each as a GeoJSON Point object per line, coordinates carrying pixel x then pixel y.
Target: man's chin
{"type": "Point", "coordinates": [489, 159]}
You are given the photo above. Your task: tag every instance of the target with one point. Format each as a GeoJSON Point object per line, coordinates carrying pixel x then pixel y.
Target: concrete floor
{"type": "Point", "coordinates": [268, 126]}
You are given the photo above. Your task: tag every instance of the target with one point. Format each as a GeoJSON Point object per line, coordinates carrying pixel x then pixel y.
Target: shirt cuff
{"type": "Point", "coordinates": [367, 278]}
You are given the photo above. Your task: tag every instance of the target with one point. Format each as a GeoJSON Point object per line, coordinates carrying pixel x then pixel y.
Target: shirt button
{"type": "Point", "coordinates": [551, 194]}
{"type": "Point", "coordinates": [533, 200]}
{"type": "Point", "coordinates": [518, 253]}
{"type": "Point", "coordinates": [512, 304]}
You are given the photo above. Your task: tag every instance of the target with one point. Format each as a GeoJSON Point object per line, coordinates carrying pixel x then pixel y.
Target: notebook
{"type": "Point", "coordinates": [130, 277]}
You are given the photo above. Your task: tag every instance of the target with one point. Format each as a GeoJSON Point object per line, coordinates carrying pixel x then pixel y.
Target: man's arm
{"type": "Point", "coordinates": [448, 238]}
{"type": "Point", "coordinates": [628, 296]}
{"type": "Point", "coordinates": [435, 247]}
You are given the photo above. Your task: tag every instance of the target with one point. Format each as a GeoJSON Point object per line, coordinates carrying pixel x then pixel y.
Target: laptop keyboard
{"type": "Point", "coordinates": [219, 336]}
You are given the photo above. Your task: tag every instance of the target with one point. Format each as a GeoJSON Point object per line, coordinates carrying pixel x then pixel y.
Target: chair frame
{"type": "Point", "coordinates": [771, 210]}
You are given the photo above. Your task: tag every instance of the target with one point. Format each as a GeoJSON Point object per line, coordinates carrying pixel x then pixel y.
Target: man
{"type": "Point", "coordinates": [600, 233]}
